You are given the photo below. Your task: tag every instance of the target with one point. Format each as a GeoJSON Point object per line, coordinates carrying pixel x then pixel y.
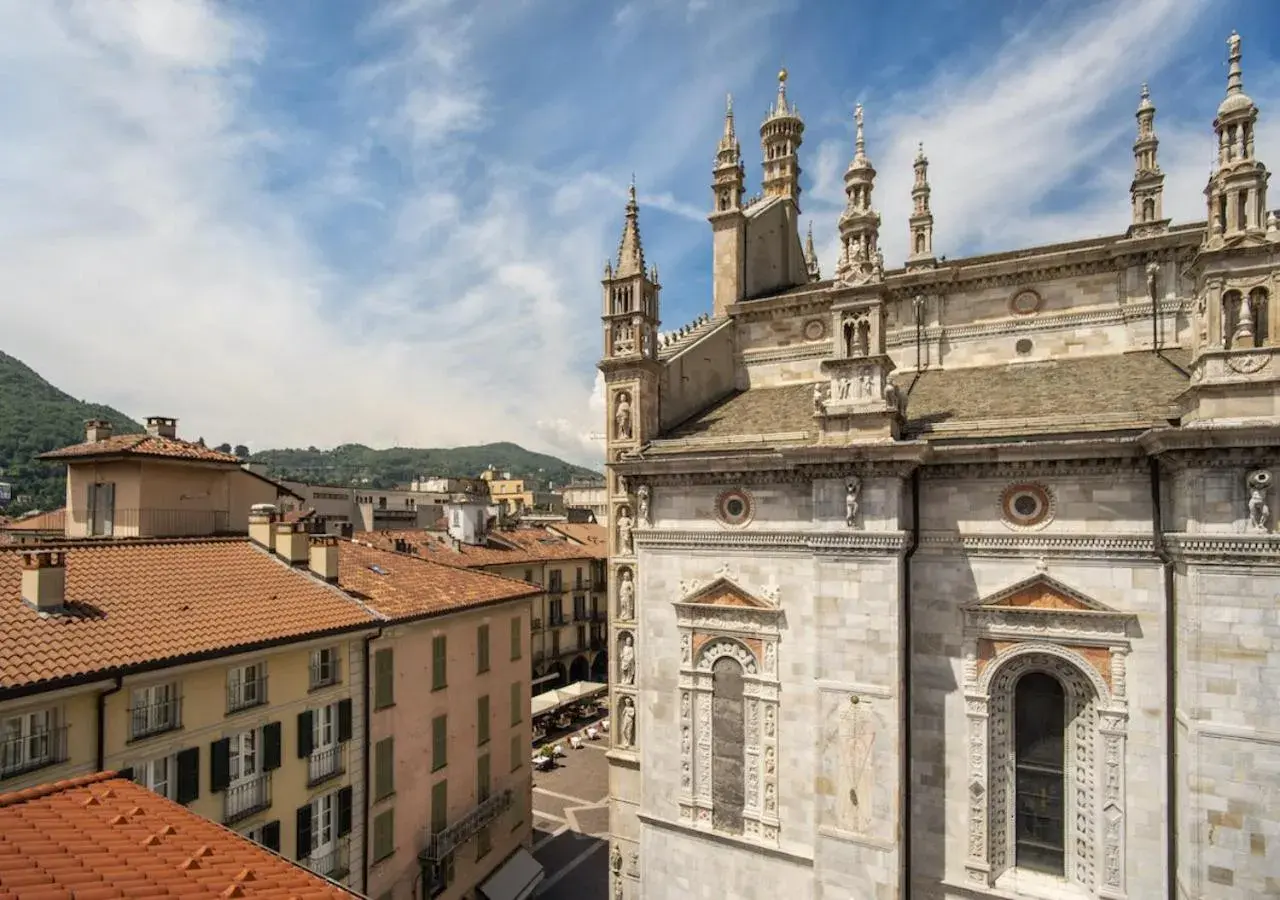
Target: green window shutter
{"type": "Point", "coordinates": [384, 835]}
{"type": "Point", "coordinates": [517, 700]}
{"type": "Point", "coordinates": [439, 662]}
{"type": "Point", "coordinates": [482, 648]}
{"type": "Point", "coordinates": [517, 753]}
{"type": "Point", "coordinates": [482, 720]}
{"type": "Point", "coordinates": [482, 778]}
{"type": "Point", "coordinates": [383, 679]}
{"type": "Point", "coordinates": [439, 742]}
{"type": "Point", "coordinates": [517, 638]}
{"type": "Point", "coordinates": [439, 806]}
{"type": "Point", "coordinates": [384, 761]}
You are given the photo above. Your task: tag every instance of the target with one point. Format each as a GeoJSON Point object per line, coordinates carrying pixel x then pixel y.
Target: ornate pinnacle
{"type": "Point", "coordinates": [1235, 77]}
{"type": "Point", "coordinates": [859, 140]}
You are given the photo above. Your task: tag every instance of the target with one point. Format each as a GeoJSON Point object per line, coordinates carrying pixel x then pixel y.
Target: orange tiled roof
{"type": "Point", "coordinates": [136, 602]}
{"type": "Point", "coordinates": [410, 586]}
{"type": "Point", "coordinates": [142, 445]}
{"type": "Point", "coordinates": [102, 836]}
{"type": "Point", "coordinates": [590, 535]}
{"type": "Point", "coordinates": [519, 546]}
{"type": "Point", "coordinates": [53, 520]}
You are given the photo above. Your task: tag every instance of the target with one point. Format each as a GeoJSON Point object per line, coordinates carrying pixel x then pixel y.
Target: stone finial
{"type": "Point", "coordinates": [859, 139]}
{"type": "Point", "coordinates": [630, 250]}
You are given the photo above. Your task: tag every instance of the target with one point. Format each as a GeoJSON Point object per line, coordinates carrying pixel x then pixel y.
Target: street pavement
{"type": "Point", "coordinates": [571, 824]}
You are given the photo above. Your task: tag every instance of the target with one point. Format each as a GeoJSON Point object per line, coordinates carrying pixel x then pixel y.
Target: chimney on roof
{"type": "Point", "coordinates": [162, 426]}
{"type": "Point", "coordinates": [96, 430]}
{"type": "Point", "coordinates": [262, 517]}
{"type": "Point", "coordinates": [324, 557]}
{"type": "Point", "coordinates": [292, 542]}
{"type": "Point", "coordinates": [44, 579]}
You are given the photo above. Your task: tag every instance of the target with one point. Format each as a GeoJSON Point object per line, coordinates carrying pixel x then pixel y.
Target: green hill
{"type": "Point", "coordinates": [352, 463]}
{"type": "Point", "coordinates": [36, 417]}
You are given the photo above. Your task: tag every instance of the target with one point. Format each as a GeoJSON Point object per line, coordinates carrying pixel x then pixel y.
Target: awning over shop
{"type": "Point", "coordinates": [515, 879]}
{"type": "Point", "coordinates": [565, 696]}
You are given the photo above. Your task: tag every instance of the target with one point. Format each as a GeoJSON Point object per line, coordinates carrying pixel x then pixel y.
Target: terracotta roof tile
{"type": "Point", "coordinates": [135, 602]}
{"type": "Point", "coordinates": [403, 586]}
{"type": "Point", "coordinates": [142, 445]}
{"type": "Point", "coordinates": [591, 536]}
{"type": "Point", "coordinates": [53, 520]}
{"type": "Point", "coordinates": [41, 830]}
{"type": "Point", "coordinates": [518, 546]}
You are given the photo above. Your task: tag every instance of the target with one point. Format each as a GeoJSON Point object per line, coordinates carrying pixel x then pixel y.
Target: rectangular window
{"type": "Point", "coordinates": [482, 778]}
{"type": "Point", "coordinates": [157, 775]}
{"type": "Point", "coordinates": [517, 638]}
{"type": "Point", "coordinates": [384, 762]}
{"type": "Point", "coordinates": [246, 687]}
{"type": "Point", "coordinates": [324, 667]}
{"type": "Point", "coordinates": [439, 662]}
{"type": "Point", "coordinates": [439, 806]}
{"type": "Point", "coordinates": [484, 843]}
{"type": "Point", "coordinates": [555, 583]}
{"type": "Point", "coordinates": [29, 741]}
{"type": "Point", "coordinates": [102, 509]}
{"type": "Point", "coordinates": [556, 613]}
{"type": "Point", "coordinates": [517, 701]}
{"type": "Point", "coordinates": [439, 742]}
{"type": "Point", "coordinates": [577, 580]}
{"type": "Point", "coordinates": [517, 753]}
{"type": "Point", "coordinates": [482, 649]}
{"type": "Point", "coordinates": [384, 834]}
{"type": "Point", "coordinates": [155, 709]}
{"type": "Point", "coordinates": [482, 720]}
{"type": "Point", "coordinates": [383, 679]}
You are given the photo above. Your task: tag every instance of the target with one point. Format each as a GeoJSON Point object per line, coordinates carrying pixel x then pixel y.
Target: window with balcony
{"type": "Point", "coordinates": [580, 607]}
{"type": "Point", "coordinates": [439, 663]}
{"type": "Point", "coordinates": [323, 834]}
{"type": "Point", "coordinates": [482, 649]}
{"type": "Point", "coordinates": [556, 612]}
{"type": "Point", "coordinates": [555, 582]}
{"type": "Point", "coordinates": [101, 509]}
{"type": "Point", "coordinates": [31, 741]}
{"type": "Point", "coordinates": [322, 740]}
{"type": "Point", "coordinates": [155, 709]}
{"type": "Point", "coordinates": [175, 776]}
{"type": "Point", "coordinates": [577, 580]}
{"type": "Point", "coordinates": [241, 768]}
{"type": "Point", "coordinates": [324, 667]}
{"type": "Point", "coordinates": [246, 687]}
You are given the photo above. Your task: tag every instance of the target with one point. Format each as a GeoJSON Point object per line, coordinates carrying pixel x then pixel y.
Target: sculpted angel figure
{"type": "Point", "coordinates": [627, 661]}
{"type": "Point", "coordinates": [626, 596]}
{"type": "Point", "coordinates": [852, 488]}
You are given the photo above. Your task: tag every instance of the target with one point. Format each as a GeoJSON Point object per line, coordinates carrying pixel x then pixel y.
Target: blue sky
{"type": "Point", "coordinates": [326, 222]}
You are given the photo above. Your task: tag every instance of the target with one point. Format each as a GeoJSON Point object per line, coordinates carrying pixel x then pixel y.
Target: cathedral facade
{"type": "Point", "coordinates": [955, 579]}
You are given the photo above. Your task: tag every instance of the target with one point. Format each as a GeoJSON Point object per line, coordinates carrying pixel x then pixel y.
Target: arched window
{"type": "Point", "coordinates": [1039, 771]}
{"type": "Point", "coordinates": [1148, 210]}
{"type": "Point", "coordinates": [919, 243]}
{"type": "Point", "coordinates": [727, 746]}
{"type": "Point", "coordinates": [1230, 317]}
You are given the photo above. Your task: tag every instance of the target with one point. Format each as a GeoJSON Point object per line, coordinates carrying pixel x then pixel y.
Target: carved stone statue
{"type": "Point", "coordinates": [622, 484]}
{"type": "Point", "coordinates": [642, 503]}
{"type": "Point", "coordinates": [818, 400]}
{"type": "Point", "coordinates": [1259, 511]}
{"type": "Point", "coordinates": [617, 887]}
{"type": "Point", "coordinates": [844, 385]}
{"type": "Point", "coordinates": [852, 488]}
{"type": "Point", "coordinates": [626, 660]}
{"type": "Point", "coordinates": [865, 384]}
{"type": "Point", "coordinates": [624, 530]}
{"type": "Point", "coordinates": [895, 397]}
{"type": "Point", "coordinates": [615, 859]}
{"type": "Point", "coordinates": [626, 596]}
{"type": "Point", "coordinates": [627, 733]}
{"type": "Point", "coordinates": [622, 417]}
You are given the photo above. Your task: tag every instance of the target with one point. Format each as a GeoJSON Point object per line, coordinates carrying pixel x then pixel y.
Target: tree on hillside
{"type": "Point", "coordinates": [242, 451]}
{"type": "Point", "coordinates": [223, 448]}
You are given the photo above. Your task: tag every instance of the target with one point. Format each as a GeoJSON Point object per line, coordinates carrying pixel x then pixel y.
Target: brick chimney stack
{"type": "Point", "coordinates": [162, 426]}
{"type": "Point", "coordinates": [96, 430]}
{"type": "Point", "coordinates": [293, 542]}
{"type": "Point", "coordinates": [262, 517]}
{"type": "Point", "coordinates": [44, 579]}
{"type": "Point", "coordinates": [324, 557]}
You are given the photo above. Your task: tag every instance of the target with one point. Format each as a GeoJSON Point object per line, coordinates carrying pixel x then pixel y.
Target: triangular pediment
{"type": "Point", "coordinates": [724, 591]}
{"type": "Point", "coordinates": [1040, 593]}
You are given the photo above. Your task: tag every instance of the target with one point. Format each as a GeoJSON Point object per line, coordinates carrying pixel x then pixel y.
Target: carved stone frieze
{"type": "Point", "coordinates": [803, 471]}
{"type": "Point", "coordinates": [1225, 548]}
{"type": "Point", "coordinates": [1100, 546]}
{"type": "Point", "coordinates": [854, 543]}
{"type": "Point", "coordinates": [794, 353]}
{"type": "Point", "coordinates": [1036, 469]}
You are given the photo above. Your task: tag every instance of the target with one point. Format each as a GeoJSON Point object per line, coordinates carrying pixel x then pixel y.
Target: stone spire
{"type": "Point", "coordinates": [1147, 189]}
{"type": "Point", "coordinates": [729, 177]}
{"type": "Point", "coordinates": [860, 257]}
{"type": "Point", "coordinates": [780, 138]}
{"type": "Point", "coordinates": [811, 256]}
{"type": "Point", "coordinates": [920, 253]}
{"type": "Point", "coordinates": [630, 252]}
{"type": "Point", "coordinates": [1237, 191]}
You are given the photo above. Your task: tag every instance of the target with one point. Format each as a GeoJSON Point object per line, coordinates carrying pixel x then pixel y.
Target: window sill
{"type": "Point", "coordinates": [322, 687]}
{"type": "Point", "coordinates": [435, 769]}
{"type": "Point", "coordinates": [248, 707]}
{"type": "Point", "coordinates": [147, 735]}
{"type": "Point", "coordinates": [386, 796]}
{"type": "Point", "coordinates": [380, 707]}
{"type": "Point", "coordinates": [381, 859]}
{"type": "Point", "coordinates": [439, 687]}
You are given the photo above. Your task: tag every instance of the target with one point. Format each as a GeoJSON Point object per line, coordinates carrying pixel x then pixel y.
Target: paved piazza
{"type": "Point", "coordinates": [571, 824]}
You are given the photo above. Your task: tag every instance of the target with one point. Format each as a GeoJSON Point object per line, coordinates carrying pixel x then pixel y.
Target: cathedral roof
{"type": "Point", "coordinates": [1087, 394]}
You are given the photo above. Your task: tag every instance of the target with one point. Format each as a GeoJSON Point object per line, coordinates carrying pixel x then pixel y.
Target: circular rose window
{"type": "Point", "coordinates": [1026, 506]}
{"type": "Point", "coordinates": [734, 507]}
{"type": "Point", "coordinates": [1025, 303]}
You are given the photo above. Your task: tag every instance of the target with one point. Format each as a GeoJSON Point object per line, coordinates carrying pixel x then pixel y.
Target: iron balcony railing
{"type": "Point", "coordinates": [325, 763]}
{"type": "Point", "coordinates": [149, 523]}
{"type": "Point", "coordinates": [32, 751]}
{"type": "Point", "coordinates": [155, 718]}
{"type": "Point", "coordinates": [246, 694]}
{"type": "Point", "coordinates": [445, 841]}
{"type": "Point", "coordinates": [246, 797]}
{"type": "Point", "coordinates": [333, 863]}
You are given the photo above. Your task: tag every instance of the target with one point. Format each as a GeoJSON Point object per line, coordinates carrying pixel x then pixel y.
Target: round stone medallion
{"type": "Point", "coordinates": [1025, 303]}
{"type": "Point", "coordinates": [815, 329]}
{"type": "Point", "coordinates": [1248, 363]}
{"type": "Point", "coordinates": [1026, 505]}
{"type": "Point", "coordinates": [734, 507]}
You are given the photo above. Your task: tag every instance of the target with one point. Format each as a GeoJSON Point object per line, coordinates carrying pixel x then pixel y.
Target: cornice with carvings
{"type": "Point", "coordinates": [1037, 545]}
{"type": "Point", "coordinates": [816, 350]}
{"type": "Point", "coordinates": [1016, 469]}
{"type": "Point", "coordinates": [714, 471]}
{"type": "Point", "coordinates": [816, 301]}
{"type": "Point", "coordinates": [852, 543]}
{"type": "Point", "coordinates": [1263, 549]}
{"type": "Point", "coordinates": [1226, 446]}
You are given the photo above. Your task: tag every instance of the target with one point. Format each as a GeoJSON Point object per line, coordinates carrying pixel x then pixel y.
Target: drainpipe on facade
{"type": "Point", "coordinates": [102, 721]}
{"type": "Point", "coordinates": [1171, 677]}
{"type": "Point", "coordinates": [905, 643]}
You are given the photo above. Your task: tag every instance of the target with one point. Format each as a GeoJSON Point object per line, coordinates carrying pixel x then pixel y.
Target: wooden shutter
{"type": "Point", "coordinates": [344, 720]}
{"type": "Point", "coordinates": [383, 678]}
{"type": "Point", "coordinates": [439, 806]}
{"type": "Point", "coordinates": [344, 812]}
{"type": "Point", "coordinates": [482, 648]}
{"type": "Point", "coordinates": [384, 761]}
{"type": "Point", "coordinates": [188, 763]}
{"type": "Point", "coordinates": [303, 822]}
{"type": "Point", "coordinates": [439, 662]}
{"type": "Point", "coordinates": [517, 752]}
{"type": "Point", "coordinates": [271, 746]}
{"type": "Point", "coordinates": [271, 835]}
{"type": "Point", "coordinates": [482, 720]}
{"type": "Point", "coordinates": [219, 765]}
{"type": "Point", "coordinates": [516, 698]}
{"type": "Point", "coordinates": [305, 734]}
{"type": "Point", "coordinates": [108, 501]}
{"type": "Point", "coordinates": [482, 778]}
{"type": "Point", "coordinates": [439, 742]}
{"type": "Point", "coordinates": [516, 638]}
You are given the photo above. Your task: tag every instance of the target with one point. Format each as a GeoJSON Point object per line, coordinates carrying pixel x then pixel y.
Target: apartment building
{"type": "Point", "coordinates": [368, 509]}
